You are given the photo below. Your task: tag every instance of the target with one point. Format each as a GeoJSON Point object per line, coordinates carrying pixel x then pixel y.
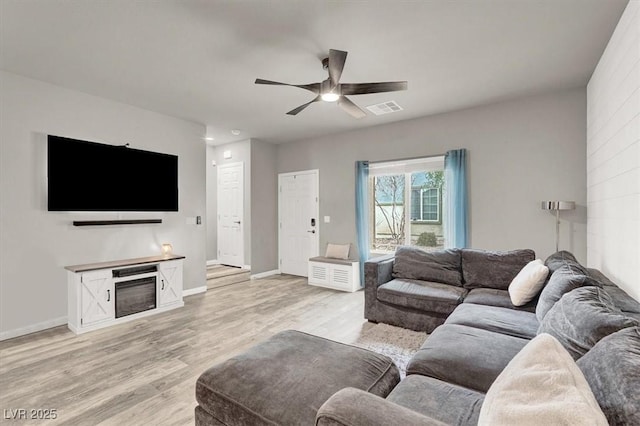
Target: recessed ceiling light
{"type": "Point", "coordinates": [235, 132]}
{"type": "Point", "coordinates": [209, 138]}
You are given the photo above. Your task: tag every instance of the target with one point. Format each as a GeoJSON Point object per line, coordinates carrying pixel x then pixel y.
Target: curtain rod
{"type": "Point", "coordinates": [406, 159]}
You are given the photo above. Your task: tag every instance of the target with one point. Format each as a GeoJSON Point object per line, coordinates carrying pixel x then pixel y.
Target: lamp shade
{"type": "Point", "coordinates": [167, 249]}
{"type": "Point", "coordinates": [558, 205]}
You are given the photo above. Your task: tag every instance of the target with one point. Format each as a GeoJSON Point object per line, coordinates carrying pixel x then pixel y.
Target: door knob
{"type": "Point", "coordinates": [313, 231]}
{"type": "Point", "coordinates": [238, 222]}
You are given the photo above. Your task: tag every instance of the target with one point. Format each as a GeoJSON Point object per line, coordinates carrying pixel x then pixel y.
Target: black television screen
{"type": "Point", "coordinates": [90, 176]}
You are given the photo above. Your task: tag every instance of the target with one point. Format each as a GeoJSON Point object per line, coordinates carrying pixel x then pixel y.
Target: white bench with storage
{"type": "Point", "coordinates": [338, 274]}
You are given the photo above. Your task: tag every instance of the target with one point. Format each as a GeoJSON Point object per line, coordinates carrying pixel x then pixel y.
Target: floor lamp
{"type": "Point", "coordinates": [557, 206]}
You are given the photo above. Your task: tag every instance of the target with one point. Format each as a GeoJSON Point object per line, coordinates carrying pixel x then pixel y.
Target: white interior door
{"type": "Point", "coordinates": [299, 224]}
{"type": "Point", "coordinates": [231, 214]}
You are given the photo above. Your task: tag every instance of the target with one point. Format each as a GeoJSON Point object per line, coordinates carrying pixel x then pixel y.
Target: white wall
{"type": "Point", "coordinates": [212, 204]}
{"type": "Point", "coordinates": [613, 156]}
{"type": "Point", "coordinates": [37, 244]}
{"type": "Point", "coordinates": [520, 153]}
{"type": "Point", "coordinates": [264, 215]}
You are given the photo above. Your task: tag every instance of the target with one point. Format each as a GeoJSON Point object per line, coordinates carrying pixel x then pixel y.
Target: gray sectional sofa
{"type": "Point", "coordinates": [419, 290]}
{"type": "Point", "coordinates": [461, 297]}
{"type": "Point", "coordinates": [473, 342]}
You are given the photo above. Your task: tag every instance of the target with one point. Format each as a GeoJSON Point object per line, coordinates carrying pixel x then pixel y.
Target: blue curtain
{"type": "Point", "coordinates": [362, 213]}
{"type": "Point", "coordinates": [455, 175]}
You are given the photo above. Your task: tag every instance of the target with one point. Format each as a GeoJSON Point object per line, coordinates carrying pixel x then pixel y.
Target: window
{"type": "Point", "coordinates": [425, 204]}
{"type": "Point", "coordinates": [406, 207]}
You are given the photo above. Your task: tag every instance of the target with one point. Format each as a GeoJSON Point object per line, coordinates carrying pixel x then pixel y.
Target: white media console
{"type": "Point", "coordinates": [108, 293]}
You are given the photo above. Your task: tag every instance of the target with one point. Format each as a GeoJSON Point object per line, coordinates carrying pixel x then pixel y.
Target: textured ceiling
{"type": "Point", "coordinates": [198, 59]}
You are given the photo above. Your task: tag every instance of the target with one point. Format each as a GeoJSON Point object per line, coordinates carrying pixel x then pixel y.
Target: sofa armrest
{"type": "Point", "coordinates": [378, 271]}
{"type": "Point", "coordinates": [355, 407]}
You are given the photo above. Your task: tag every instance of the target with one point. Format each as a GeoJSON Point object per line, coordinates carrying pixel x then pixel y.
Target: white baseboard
{"type": "Point", "coordinates": [213, 262]}
{"type": "Point", "coordinates": [265, 274]}
{"type": "Point", "coordinates": [33, 328]}
{"type": "Point", "coordinates": [192, 291]}
{"type": "Point", "coordinates": [247, 267]}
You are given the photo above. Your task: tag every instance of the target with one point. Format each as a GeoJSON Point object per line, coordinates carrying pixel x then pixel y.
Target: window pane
{"type": "Point", "coordinates": [427, 231]}
{"type": "Point", "coordinates": [430, 203]}
{"type": "Point", "coordinates": [415, 204]}
{"type": "Point", "coordinates": [388, 212]}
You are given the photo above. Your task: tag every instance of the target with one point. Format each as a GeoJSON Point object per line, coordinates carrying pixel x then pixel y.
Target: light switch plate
{"type": "Point", "coordinates": [327, 219]}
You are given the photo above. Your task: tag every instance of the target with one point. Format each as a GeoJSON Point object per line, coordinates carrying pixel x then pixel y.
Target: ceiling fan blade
{"type": "Point", "coordinates": [353, 109]}
{"type": "Point", "coordinates": [303, 106]}
{"type": "Point", "coordinates": [363, 88]}
{"type": "Point", "coordinates": [276, 83]}
{"type": "Point", "coordinates": [312, 87]}
{"type": "Point", "coordinates": [337, 59]}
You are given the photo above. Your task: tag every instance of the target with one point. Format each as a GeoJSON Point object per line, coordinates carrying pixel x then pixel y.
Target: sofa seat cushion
{"type": "Point", "coordinates": [495, 297]}
{"type": "Point", "coordinates": [465, 356]}
{"type": "Point", "coordinates": [423, 295]}
{"type": "Point", "coordinates": [493, 269]}
{"type": "Point", "coordinates": [442, 401]}
{"type": "Point", "coordinates": [499, 320]}
{"type": "Point", "coordinates": [286, 378]}
{"type": "Point", "coordinates": [441, 266]}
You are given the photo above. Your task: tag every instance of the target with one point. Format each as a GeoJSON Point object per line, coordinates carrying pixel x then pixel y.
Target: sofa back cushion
{"type": "Point", "coordinates": [564, 258]}
{"type": "Point", "coordinates": [562, 281]}
{"type": "Point", "coordinates": [612, 369]}
{"type": "Point", "coordinates": [621, 298]}
{"type": "Point", "coordinates": [493, 269]}
{"type": "Point", "coordinates": [582, 317]}
{"type": "Point", "coordinates": [442, 266]}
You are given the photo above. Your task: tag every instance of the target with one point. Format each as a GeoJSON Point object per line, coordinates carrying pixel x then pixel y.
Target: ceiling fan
{"type": "Point", "coordinates": [331, 90]}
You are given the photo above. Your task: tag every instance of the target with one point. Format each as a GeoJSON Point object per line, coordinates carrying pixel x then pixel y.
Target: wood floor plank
{"type": "Point", "coordinates": [144, 371]}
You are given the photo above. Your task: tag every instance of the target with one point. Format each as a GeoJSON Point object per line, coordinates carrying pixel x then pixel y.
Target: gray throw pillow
{"type": "Point", "coordinates": [562, 281]}
{"type": "Point", "coordinates": [582, 317]}
{"type": "Point", "coordinates": [612, 369]}
{"type": "Point", "coordinates": [442, 266]}
{"type": "Point", "coordinates": [493, 269]}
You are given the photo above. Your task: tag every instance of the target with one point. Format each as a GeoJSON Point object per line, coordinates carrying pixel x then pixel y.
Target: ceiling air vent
{"type": "Point", "coordinates": [384, 108]}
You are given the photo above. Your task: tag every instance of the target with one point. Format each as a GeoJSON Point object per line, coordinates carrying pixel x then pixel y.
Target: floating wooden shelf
{"type": "Point", "coordinates": [114, 222]}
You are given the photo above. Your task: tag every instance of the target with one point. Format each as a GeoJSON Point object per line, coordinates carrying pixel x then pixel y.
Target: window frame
{"type": "Point", "coordinates": [405, 168]}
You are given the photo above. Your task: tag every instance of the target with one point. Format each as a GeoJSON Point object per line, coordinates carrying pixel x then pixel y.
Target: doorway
{"type": "Point", "coordinates": [298, 211]}
{"type": "Point", "coordinates": [231, 214]}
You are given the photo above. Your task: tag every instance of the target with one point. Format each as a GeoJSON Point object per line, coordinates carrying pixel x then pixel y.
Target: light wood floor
{"type": "Point", "coordinates": [222, 275]}
{"type": "Point", "coordinates": [144, 371]}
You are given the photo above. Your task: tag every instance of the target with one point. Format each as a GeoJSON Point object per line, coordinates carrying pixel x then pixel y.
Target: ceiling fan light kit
{"type": "Point", "coordinates": [330, 97]}
{"type": "Point", "coordinates": [331, 90]}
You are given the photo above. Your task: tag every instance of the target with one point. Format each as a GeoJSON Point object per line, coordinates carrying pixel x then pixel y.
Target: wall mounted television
{"type": "Point", "coordinates": [90, 176]}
